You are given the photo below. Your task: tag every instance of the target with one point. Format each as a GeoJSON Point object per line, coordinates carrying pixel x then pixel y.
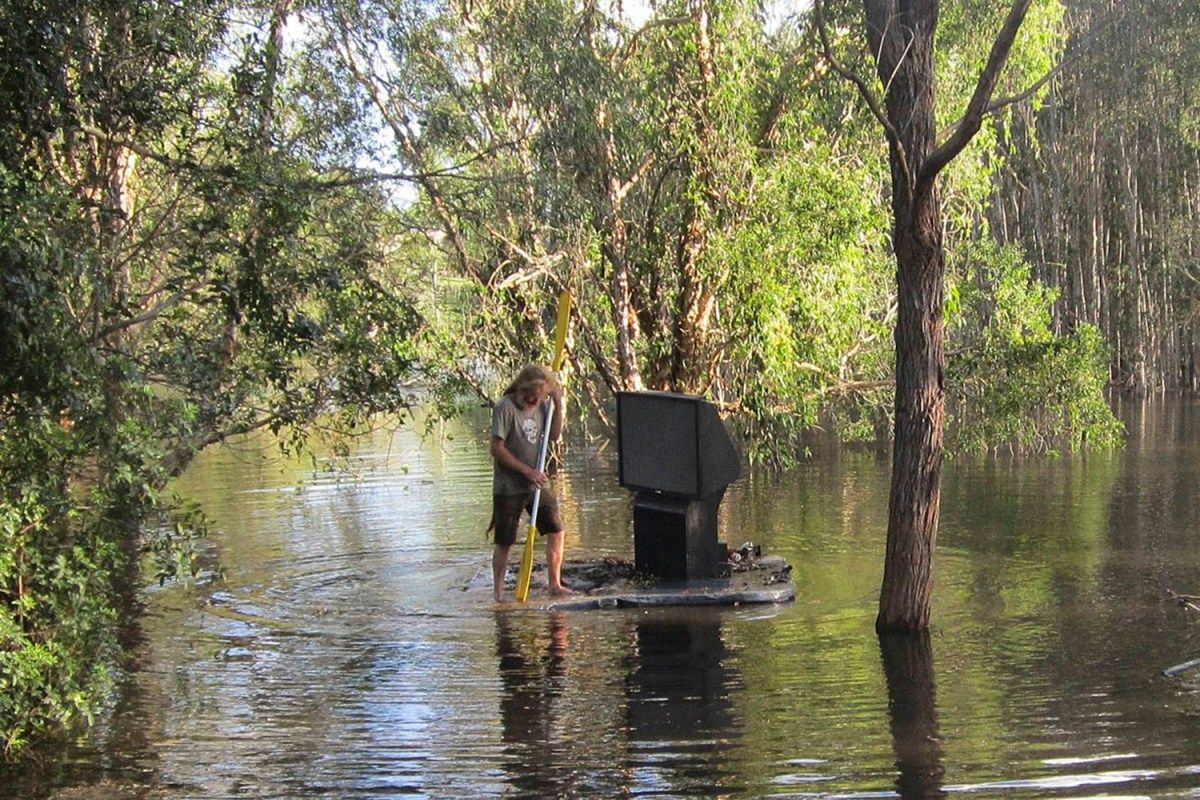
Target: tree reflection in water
{"type": "Point", "coordinates": [912, 708]}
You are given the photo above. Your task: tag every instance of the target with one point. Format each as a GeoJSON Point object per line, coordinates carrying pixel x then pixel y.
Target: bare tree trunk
{"type": "Point", "coordinates": [696, 306]}
{"type": "Point", "coordinates": [901, 34]}
{"type": "Point", "coordinates": [614, 247]}
{"type": "Point", "coordinates": [1133, 297]}
{"type": "Point", "coordinates": [623, 315]}
{"type": "Point", "coordinates": [696, 298]}
{"type": "Point", "coordinates": [1127, 197]}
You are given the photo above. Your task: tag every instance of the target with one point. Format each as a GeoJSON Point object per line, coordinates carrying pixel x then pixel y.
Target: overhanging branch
{"type": "Point", "coordinates": [863, 89]}
{"type": "Point", "coordinates": [980, 98]}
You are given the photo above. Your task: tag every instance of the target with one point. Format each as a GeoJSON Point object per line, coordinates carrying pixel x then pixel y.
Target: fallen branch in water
{"type": "Point", "coordinates": [1178, 669]}
{"type": "Point", "coordinates": [1192, 603]}
{"type": "Point", "coordinates": [1188, 601]}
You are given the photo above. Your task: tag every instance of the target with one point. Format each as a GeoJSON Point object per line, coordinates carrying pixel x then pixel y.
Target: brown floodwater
{"type": "Point", "coordinates": [342, 656]}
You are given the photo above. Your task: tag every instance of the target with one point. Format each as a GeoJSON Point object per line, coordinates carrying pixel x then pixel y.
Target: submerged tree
{"type": "Point", "coordinates": [719, 240]}
{"type": "Point", "coordinates": [1102, 187]}
{"type": "Point", "coordinates": [202, 239]}
{"type": "Point", "coordinates": [718, 207]}
{"type": "Point", "coordinates": [901, 36]}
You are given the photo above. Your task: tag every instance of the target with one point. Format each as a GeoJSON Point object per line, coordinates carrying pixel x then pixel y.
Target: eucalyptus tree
{"type": "Point", "coordinates": [901, 36]}
{"type": "Point", "coordinates": [1107, 200]}
{"type": "Point", "coordinates": [714, 231]}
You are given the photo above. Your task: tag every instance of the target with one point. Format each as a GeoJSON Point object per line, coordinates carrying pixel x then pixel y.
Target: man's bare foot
{"type": "Point", "coordinates": [562, 591]}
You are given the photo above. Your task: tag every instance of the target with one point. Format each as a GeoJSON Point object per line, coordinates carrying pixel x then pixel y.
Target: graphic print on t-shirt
{"type": "Point", "coordinates": [530, 429]}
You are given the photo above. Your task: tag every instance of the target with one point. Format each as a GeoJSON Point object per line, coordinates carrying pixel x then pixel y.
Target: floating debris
{"type": "Point", "coordinates": [1179, 669]}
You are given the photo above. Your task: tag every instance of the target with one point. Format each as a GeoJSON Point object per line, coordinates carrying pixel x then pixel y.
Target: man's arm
{"type": "Point", "coordinates": [507, 459]}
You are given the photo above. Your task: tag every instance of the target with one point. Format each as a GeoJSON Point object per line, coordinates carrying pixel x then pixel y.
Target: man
{"type": "Point", "coordinates": [518, 423]}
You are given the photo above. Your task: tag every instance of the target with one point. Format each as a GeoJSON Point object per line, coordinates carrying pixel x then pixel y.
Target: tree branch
{"type": "Point", "coordinates": [1069, 60]}
{"type": "Point", "coordinates": [664, 22]}
{"type": "Point", "coordinates": [980, 98]}
{"type": "Point", "coordinates": [784, 91]}
{"type": "Point", "coordinates": [863, 89]}
{"type": "Point", "coordinates": [359, 177]}
{"type": "Point", "coordinates": [149, 314]}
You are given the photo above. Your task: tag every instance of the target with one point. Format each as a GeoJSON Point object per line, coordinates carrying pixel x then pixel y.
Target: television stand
{"type": "Point", "coordinates": [675, 538]}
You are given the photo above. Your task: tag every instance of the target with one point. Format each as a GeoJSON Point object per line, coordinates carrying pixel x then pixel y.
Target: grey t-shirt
{"type": "Point", "coordinates": [522, 432]}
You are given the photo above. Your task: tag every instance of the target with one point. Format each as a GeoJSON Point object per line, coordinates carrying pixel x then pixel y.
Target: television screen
{"type": "Point", "coordinates": [673, 443]}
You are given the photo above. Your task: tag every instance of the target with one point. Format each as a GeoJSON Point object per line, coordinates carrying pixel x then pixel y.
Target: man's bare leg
{"type": "Point", "coordinates": [554, 560]}
{"type": "Point", "coordinates": [499, 569]}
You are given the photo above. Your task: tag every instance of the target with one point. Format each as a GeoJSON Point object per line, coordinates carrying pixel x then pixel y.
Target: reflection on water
{"type": "Point", "coordinates": [343, 654]}
{"type": "Point", "coordinates": [533, 673]}
{"type": "Point", "coordinates": [912, 710]}
{"type": "Point", "coordinates": [679, 705]}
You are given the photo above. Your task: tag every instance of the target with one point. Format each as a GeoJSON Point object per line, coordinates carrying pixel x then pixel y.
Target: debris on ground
{"type": "Point", "coordinates": [745, 557]}
{"type": "Point", "coordinates": [1188, 601]}
{"type": "Point", "coordinates": [747, 568]}
{"type": "Point", "coordinates": [587, 576]}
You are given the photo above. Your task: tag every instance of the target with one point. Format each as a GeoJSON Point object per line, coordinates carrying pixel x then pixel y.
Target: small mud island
{"type": "Point", "coordinates": [615, 583]}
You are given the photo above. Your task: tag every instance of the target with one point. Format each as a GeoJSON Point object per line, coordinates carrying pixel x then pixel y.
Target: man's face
{"type": "Point", "coordinates": [532, 395]}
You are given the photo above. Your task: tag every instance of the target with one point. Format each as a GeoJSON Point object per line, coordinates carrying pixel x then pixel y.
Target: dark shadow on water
{"type": "Point", "coordinates": [912, 711]}
{"type": "Point", "coordinates": [677, 717]}
{"type": "Point", "coordinates": [680, 715]}
{"type": "Point", "coordinates": [532, 667]}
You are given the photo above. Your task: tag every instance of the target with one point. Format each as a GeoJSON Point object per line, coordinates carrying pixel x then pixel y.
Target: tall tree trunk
{"type": "Point", "coordinates": [913, 506]}
{"type": "Point", "coordinates": [901, 34]}
{"type": "Point", "coordinates": [696, 297]}
{"type": "Point", "coordinates": [624, 318]}
{"type": "Point", "coordinates": [610, 216]}
{"type": "Point", "coordinates": [696, 303]}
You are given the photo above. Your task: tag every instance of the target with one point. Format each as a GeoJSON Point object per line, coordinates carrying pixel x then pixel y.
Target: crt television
{"type": "Point", "coordinates": [674, 444]}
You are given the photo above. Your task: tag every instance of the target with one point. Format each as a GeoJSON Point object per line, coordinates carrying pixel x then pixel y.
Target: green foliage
{"type": "Point", "coordinates": [808, 303]}
{"type": "Point", "coordinates": [193, 249]}
{"type": "Point", "coordinates": [187, 257]}
{"type": "Point", "coordinates": [672, 169]}
{"type": "Point", "coordinates": [965, 33]}
{"type": "Point", "coordinates": [57, 562]}
{"type": "Point", "coordinates": [1099, 185]}
{"type": "Point", "coordinates": [1012, 381]}
{"type": "Point", "coordinates": [172, 547]}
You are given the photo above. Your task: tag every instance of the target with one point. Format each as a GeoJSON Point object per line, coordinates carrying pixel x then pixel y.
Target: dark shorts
{"type": "Point", "coordinates": [506, 515]}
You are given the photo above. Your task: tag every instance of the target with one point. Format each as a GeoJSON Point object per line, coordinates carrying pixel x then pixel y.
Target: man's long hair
{"type": "Point", "coordinates": [531, 376]}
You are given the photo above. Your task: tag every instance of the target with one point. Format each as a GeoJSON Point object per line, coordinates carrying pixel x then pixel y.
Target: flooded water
{"type": "Point", "coordinates": [341, 655]}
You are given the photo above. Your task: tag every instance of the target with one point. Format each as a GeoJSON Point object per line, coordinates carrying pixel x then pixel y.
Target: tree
{"type": "Point", "coordinates": [1101, 187]}
{"type": "Point", "coordinates": [186, 258]}
{"type": "Point", "coordinates": [717, 238]}
{"type": "Point", "coordinates": [901, 35]}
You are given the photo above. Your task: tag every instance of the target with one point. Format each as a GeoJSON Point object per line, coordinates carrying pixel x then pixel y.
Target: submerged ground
{"type": "Point", "coordinates": [341, 656]}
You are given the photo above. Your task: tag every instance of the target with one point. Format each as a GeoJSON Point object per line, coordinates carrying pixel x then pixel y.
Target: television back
{"type": "Point", "coordinates": [674, 444]}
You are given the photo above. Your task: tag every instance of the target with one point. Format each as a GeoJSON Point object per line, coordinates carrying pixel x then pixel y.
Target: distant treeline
{"type": "Point", "coordinates": [1103, 186]}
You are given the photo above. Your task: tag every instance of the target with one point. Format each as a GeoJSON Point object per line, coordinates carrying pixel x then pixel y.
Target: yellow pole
{"type": "Point", "coordinates": [560, 342]}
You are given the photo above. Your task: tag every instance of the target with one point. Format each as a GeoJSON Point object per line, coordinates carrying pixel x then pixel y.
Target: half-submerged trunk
{"type": "Point", "coordinates": [901, 35]}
